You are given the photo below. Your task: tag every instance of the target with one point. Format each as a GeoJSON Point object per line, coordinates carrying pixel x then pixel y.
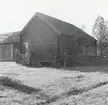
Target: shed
{"type": "Point", "coordinates": [9, 42]}
{"type": "Point", "coordinates": [51, 38]}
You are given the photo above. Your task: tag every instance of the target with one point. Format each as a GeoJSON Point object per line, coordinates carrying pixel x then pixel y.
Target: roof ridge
{"type": "Point", "coordinates": [38, 13]}
{"type": "Point", "coordinates": [49, 24]}
{"type": "Point", "coordinates": [57, 19]}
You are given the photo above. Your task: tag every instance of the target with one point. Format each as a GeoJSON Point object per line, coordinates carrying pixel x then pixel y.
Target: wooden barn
{"type": "Point", "coordinates": [52, 40]}
{"type": "Point", "coordinates": [9, 43]}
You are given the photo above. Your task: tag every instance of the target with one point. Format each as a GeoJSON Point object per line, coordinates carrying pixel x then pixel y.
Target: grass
{"type": "Point", "coordinates": [73, 91]}
{"type": "Point", "coordinates": [47, 86]}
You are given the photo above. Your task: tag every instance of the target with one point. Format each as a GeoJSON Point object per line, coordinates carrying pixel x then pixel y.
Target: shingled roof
{"type": "Point", "coordinates": [9, 37]}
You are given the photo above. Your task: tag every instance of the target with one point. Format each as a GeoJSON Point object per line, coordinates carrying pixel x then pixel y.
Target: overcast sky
{"type": "Point", "coordinates": [14, 14]}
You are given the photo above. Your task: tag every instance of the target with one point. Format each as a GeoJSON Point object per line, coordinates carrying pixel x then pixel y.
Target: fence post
{"type": "Point", "coordinates": [95, 51]}
{"type": "Point", "coordinates": [65, 57]}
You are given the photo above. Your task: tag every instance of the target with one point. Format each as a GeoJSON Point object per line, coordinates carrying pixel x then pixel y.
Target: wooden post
{"type": "Point", "coordinates": [12, 52]}
{"type": "Point", "coordinates": [95, 50]}
{"type": "Point", "coordinates": [16, 55]}
{"type": "Point", "coordinates": [65, 57]}
{"type": "Point", "coordinates": [86, 50]}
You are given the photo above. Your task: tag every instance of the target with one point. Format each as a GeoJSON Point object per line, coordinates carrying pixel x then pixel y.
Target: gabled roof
{"type": "Point", "coordinates": [9, 37]}
{"type": "Point", "coordinates": [63, 27]}
{"type": "Point", "coordinates": [60, 27]}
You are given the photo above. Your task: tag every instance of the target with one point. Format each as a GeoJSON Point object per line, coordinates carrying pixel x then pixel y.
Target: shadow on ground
{"type": "Point", "coordinates": [15, 84]}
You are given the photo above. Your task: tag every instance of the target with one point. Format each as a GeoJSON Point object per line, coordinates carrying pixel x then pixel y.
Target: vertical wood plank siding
{"type": "Point", "coordinates": [11, 51]}
{"type": "Point", "coordinates": [6, 52]}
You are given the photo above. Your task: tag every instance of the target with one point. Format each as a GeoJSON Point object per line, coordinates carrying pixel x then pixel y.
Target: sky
{"type": "Point", "coordinates": [14, 14]}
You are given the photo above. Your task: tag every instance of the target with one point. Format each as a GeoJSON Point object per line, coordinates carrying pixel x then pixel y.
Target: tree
{"type": "Point", "coordinates": [100, 33]}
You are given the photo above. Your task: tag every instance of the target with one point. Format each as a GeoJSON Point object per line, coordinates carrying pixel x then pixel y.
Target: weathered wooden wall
{"type": "Point", "coordinates": [42, 39]}
{"type": "Point", "coordinates": [46, 43]}
{"type": "Point", "coordinates": [75, 47]}
{"type": "Point", "coordinates": [7, 51]}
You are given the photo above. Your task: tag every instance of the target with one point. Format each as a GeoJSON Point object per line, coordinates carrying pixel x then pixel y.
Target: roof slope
{"type": "Point", "coordinates": [58, 26]}
{"type": "Point", "coordinates": [63, 27]}
{"type": "Point", "coordinates": [9, 37]}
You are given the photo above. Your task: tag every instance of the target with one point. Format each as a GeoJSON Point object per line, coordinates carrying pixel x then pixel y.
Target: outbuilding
{"type": "Point", "coordinates": [9, 43]}
{"type": "Point", "coordinates": [51, 39]}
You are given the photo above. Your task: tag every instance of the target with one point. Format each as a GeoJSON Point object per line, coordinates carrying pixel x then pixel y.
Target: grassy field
{"type": "Point", "coordinates": [84, 85]}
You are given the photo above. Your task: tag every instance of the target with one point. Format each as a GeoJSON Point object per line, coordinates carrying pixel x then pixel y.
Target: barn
{"type": "Point", "coordinates": [52, 40]}
{"type": "Point", "coordinates": [9, 42]}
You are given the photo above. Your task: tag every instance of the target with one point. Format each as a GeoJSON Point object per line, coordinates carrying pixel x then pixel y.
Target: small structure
{"type": "Point", "coordinates": [52, 40]}
{"type": "Point", "coordinates": [9, 43]}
